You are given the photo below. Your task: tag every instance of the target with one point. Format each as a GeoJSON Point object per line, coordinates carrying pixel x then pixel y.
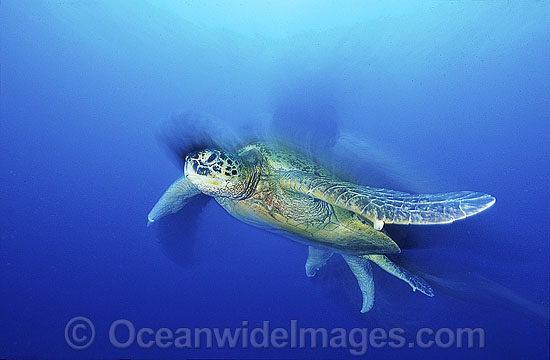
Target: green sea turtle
{"type": "Point", "coordinates": [274, 188]}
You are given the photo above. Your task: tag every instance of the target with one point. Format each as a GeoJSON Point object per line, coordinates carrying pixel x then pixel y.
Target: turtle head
{"type": "Point", "coordinates": [216, 173]}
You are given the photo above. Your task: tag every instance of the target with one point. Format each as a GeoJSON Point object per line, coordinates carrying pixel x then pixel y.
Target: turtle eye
{"type": "Point", "coordinates": [211, 158]}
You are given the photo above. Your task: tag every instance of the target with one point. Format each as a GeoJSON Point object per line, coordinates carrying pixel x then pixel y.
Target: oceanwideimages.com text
{"type": "Point", "coordinates": [123, 334]}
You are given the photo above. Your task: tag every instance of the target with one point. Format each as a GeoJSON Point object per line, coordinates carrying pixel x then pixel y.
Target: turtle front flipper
{"type": "Point", "coordinates": [388, 206]}
{"type": "Point", "coordinates": [362, 270]}
{"type": "Point", "coordinates": [173, 199]}
{"type": "Point", "coordinates": [389, 266]}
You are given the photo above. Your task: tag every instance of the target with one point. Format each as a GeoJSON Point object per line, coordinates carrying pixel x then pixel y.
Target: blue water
{"type": "Point", "coordinates": [446, 95]}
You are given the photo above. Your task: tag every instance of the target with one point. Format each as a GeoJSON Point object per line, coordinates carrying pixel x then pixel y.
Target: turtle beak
{"type": "Point", "coordinates": [188, 167]}
{"type": "Point", "coordinates": [185, 172]}
{"type": "Point", "coordinates": [190, 173]}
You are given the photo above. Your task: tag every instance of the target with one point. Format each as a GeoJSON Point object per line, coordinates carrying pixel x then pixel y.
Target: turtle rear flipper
{"type": "Point", "coordinates": [388, 206]}
{"type": "Point", "coordinates": [316, 259]}
{"type": "Point", "coordinates": [173, 199]}
{"type": "Point", "coordinates": [415, 282]}
{"type": "Point", "coordinates": [360, 267]}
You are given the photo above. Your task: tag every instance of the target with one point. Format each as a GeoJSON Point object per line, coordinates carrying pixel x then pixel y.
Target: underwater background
{"type": "Point", "coordinates": [416, 96]}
